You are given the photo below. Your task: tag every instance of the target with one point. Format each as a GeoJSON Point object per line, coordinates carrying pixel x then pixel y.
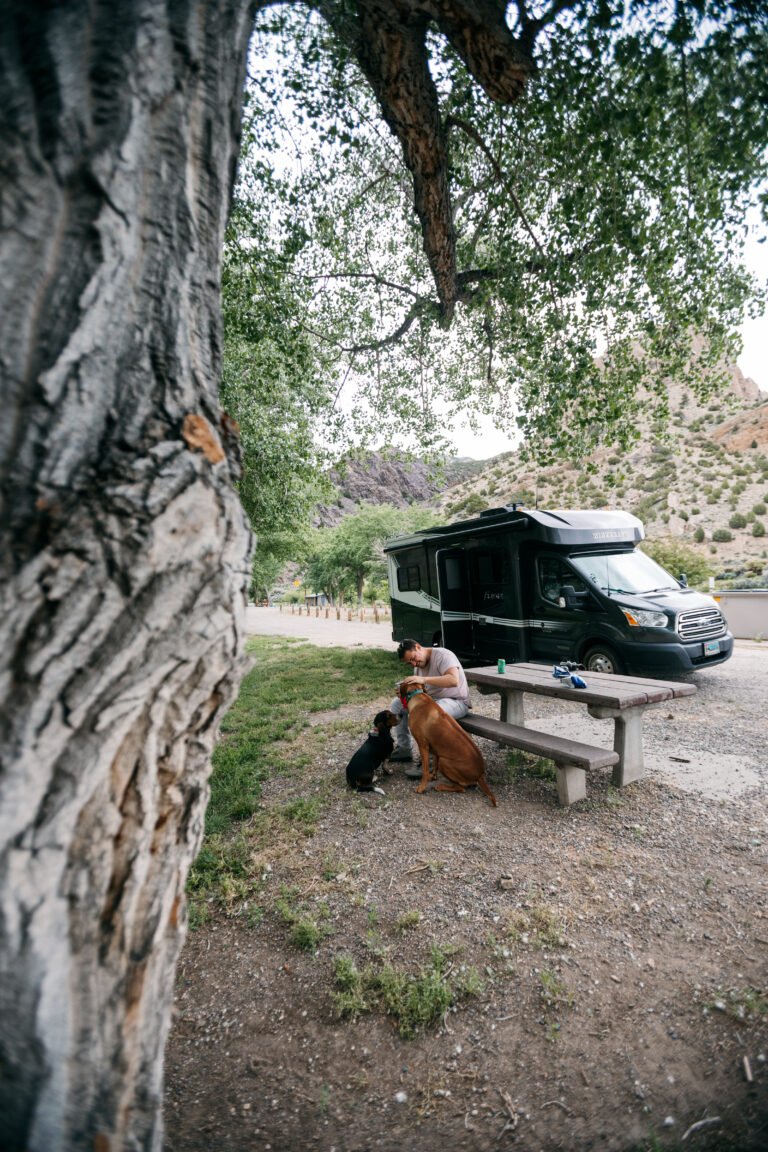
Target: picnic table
{"type": "Point", "coordinates": [608, 696]}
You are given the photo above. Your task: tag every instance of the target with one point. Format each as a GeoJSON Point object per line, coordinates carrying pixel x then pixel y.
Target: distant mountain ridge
{"type": "Point", "coordinates": [709, 484]}
{"type": "Point", "coordinates": [394, 478]}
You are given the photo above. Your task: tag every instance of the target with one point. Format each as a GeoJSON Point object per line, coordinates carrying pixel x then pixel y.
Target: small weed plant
{"type": "Point", "coordinates": [745, 1004]}
{"type": "Point", "coordinates": [415, 1002]}
{"type": "Point", "coordinates": [538, 925]}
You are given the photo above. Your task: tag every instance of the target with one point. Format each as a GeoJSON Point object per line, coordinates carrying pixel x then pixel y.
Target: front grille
{"type": "Point", "coordinates": [703, 624]}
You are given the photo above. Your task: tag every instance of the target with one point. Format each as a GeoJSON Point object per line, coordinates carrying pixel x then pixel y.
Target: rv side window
{"type": "Point", "coordinates": [554, 575]}
{"type": "Point", "coordinates": [453, 579]}
{"type": "Point", "coordinates": [489, 567]}
{"type": "Point", "coordinates": [408, 578]}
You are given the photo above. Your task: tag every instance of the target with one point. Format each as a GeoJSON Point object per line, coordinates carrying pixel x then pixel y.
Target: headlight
{"type": "Point", "coordinates": [644, 618]}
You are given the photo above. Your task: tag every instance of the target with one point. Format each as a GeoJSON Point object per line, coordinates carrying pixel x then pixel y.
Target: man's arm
{"type": "Point", "coordinates": [449, 679]}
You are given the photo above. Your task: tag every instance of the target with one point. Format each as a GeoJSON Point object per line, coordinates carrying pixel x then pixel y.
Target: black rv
{"type": "Point", "coordinates": [551, 586]}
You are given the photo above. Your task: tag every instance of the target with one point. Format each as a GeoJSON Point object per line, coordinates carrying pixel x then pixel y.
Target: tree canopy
{"type": "Point", "coordinates": [600, 210]}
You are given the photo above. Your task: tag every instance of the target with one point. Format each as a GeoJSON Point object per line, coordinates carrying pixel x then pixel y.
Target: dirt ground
{"type": "Point", "coordinates": [620, 948]}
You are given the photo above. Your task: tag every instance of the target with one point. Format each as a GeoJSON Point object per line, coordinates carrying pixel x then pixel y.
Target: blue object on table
{"type": "Point", "coordinates": [567, 676]}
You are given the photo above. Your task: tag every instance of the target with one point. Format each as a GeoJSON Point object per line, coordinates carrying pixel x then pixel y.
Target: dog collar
{"type": "Point", "coordinates": [414, 693]}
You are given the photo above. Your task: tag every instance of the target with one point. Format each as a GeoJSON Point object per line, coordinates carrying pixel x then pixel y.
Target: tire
{"type": "Point", "coordinates": [602, 658]}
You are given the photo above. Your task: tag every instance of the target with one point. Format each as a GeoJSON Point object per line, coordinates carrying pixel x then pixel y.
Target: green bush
{"type": "Point", "coordinates": [699, 535]}
{"type": "Point", "coordinates": [737, 521]}
{"type": "Point", "coordinates": [759, 509]}
{"type": "Point", "coordinates": [721, 535]}
{"type": "Point", "coordinates": [677, 557]}
{"type": "Point", "coordinates": [758, 528]}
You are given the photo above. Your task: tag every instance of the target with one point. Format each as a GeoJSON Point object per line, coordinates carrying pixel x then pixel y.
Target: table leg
{"type": "Point", "coordinates": [512, 707]}
{"type": "Point", "coordinates": [627, 741]}
{"type": "Point", "coordinates": [571, 784]}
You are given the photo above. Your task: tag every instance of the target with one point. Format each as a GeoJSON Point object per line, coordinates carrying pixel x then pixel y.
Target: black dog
{"type": "Point", "coordinates": [377, 748]}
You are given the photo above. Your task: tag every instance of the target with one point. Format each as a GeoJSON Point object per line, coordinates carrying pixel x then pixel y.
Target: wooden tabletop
{"type": "Point", "coordinates": [605, 689]}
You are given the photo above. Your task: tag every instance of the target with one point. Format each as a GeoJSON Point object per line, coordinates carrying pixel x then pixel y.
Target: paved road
{"type": "Point", "coordinates": [331, 633]}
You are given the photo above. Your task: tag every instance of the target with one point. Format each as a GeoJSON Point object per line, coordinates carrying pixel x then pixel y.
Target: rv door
{"type": "Point", "coordinates": [455, 601]}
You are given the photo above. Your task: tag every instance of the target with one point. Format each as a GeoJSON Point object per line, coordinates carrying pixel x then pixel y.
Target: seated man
{"type": "Point", "coordinates": [444, 680]}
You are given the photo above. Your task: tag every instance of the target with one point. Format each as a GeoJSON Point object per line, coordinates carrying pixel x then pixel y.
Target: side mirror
{"type": "Point", "coordinates": [683, 581]}
{"type": "Point", "coordinates": [571, 598]}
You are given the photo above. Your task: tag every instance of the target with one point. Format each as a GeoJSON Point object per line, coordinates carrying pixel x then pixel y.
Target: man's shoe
{"type": "Point", "coordinates": [413, 771]}
{"type": "Point", "coordinates": [401, 754]}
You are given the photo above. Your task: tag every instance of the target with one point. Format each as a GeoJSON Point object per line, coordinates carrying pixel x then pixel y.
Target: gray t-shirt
{"type": "Point", "coordinates": [441, 661]}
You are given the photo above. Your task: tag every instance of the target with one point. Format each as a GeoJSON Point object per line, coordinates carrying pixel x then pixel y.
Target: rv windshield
{"type": "Point", "coordinates": [627, 572]}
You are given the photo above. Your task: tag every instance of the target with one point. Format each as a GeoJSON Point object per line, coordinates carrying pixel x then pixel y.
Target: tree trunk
{"type": "Point", "coordinates": [124, 551]}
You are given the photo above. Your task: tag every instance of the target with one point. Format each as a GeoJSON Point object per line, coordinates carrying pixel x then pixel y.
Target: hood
{"type": "Point", "coordinates": [672, 600]}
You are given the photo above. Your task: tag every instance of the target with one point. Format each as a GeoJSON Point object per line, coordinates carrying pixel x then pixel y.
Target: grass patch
{"type": "Point", "coordinates": [308, 929]}
{"type": "Point", "coordinates": [744, 1004]}
{"type": "Point", "coordinates": [415, 1002]}
{"type": "Point", "coordinates": [538, 925]}
{"type": "Point", "coordinates": [287, 683]}
{"type": "Point", "coordinates": [524, 764]}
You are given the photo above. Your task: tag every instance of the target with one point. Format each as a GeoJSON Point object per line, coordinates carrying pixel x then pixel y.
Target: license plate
{"type": "Point", "coordinates": [711, 647]}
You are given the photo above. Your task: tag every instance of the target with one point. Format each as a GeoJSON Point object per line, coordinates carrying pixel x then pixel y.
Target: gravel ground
{"type": "Point", "coordinates": [620, 944]}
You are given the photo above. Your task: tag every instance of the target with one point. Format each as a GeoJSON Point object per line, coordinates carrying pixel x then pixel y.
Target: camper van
{"type": "Point", "coordinates": [531, 585]}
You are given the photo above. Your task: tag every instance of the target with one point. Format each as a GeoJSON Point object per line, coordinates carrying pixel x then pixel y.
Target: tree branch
{"type": "Point", "coordinates": [529, 29]}
{"type": "Point", "coordinates": [471, 131]}
{"type": "Point", "coordinates": [379, 280]}
{"type": "Point", "coordinates": [389, 45]}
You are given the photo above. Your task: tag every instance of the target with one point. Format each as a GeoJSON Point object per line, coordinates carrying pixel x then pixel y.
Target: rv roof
{"type": "Point", "coordinates": [561, 526]}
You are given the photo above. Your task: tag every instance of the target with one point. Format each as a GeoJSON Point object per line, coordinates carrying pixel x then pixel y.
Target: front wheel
{"type": "Point", "coordinates": [602, 658]}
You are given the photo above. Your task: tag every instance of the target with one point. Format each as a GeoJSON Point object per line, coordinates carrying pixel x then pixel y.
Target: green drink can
{"type": "Point", "coordinates": [501, 665]}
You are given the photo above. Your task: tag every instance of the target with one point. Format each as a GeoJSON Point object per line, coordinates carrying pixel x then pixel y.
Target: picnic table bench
{"type": "Point", "coordinates": [608, 696]}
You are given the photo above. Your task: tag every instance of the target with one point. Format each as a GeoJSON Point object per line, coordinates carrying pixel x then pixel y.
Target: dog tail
{"type": "Point", "coordinates": [483, 783]}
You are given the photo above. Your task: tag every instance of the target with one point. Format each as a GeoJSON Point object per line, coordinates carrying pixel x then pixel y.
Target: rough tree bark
{"type": "Point", "coordinates": [124, 553]}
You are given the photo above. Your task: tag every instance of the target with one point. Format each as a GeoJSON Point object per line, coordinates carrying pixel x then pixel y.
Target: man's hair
{"type": "Point", "coordinates": [406, 646]}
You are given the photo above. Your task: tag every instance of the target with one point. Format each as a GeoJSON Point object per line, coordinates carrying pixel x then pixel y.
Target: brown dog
{"type": "Point", "coordinates": [456, 754]}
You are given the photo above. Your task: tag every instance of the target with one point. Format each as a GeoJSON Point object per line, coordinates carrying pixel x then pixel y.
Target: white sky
{"type": "Point", "coordinates": [753, 360]}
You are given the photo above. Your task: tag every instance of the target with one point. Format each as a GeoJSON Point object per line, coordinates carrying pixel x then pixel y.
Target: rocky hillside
{"type": "Point", "coordinates": [709, 487]}
{"type": "Point", "coordinates": [378, 479]}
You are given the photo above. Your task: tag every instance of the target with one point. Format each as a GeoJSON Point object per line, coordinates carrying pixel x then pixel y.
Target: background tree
{"type": "Point", "coordinates": [606, 209]}
{"type": "Point", "coordinates": [351, 553]}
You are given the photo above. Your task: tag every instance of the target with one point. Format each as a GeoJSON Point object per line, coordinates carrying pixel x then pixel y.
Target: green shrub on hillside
{"type": "Point", "coordinates": [699, 535]}
{"type": "Point", "coordinates": [721, 535]}
{"type": "Point", "coordinates": [677, 557]}
{"type": "Point", "coordinates": [737, 521]}
{"type": "Point", "coordinates": [758, 528]}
